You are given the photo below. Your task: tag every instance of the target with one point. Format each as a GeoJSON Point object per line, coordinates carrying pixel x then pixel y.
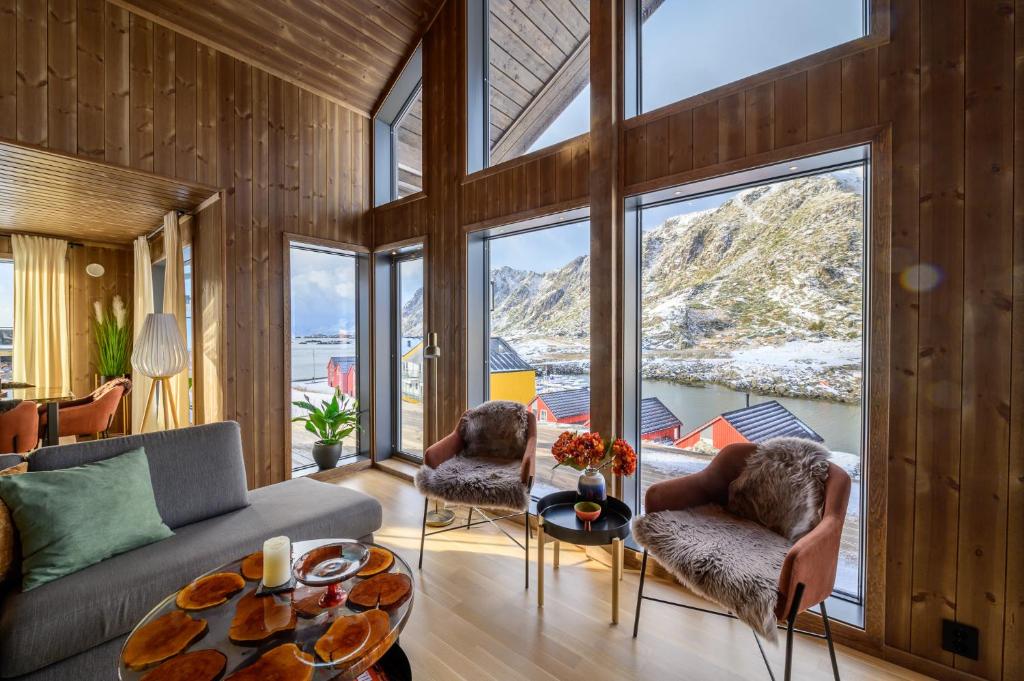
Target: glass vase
{"type": "Point", "coordinates": [591, 486]}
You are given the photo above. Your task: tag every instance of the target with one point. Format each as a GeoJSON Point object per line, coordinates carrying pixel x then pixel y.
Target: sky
{"type": "Point", "coordinates": [323, 288]}
{"type": "Point", "coordinates": [733, 38]}
{"type": "Point", "coordinates": [541, 251]}
{"type": "Point", "coordinates": [6, 294]}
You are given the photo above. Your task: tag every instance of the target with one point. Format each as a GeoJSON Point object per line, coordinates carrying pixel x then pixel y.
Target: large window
{"type": "Point", "coordinates": [407, 147]}
{"type": "Point", "coordinates": [324, 286]}
{"type": "Point", "coordinates": [6, 319]}
{"type": "Point", "coordinates": [751, 323]}
{"type": "Point", "coordinates": [532, 91]}
{"type": "Point", "coordinates": [537, 345]}
{"type": "Point", "coordinates": [408, 353]}
{"type": "Point", "coordinates": [690, 46]}
{"type": "Point", "coordinates": [398, 136]}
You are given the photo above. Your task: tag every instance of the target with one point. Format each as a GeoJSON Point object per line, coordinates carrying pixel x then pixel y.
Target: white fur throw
{"type": "Point", "coordinates": [782, 486]}
{"type": "Point", "coordinates": [495, 429]}
{"type": "Point", "coordinates": [475, 481]}
{"type": "Point", "coordinates": [729, 560]}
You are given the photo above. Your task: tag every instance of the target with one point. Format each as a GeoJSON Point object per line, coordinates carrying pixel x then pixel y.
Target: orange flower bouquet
{"type": "Point", "coordinates": [586, 450]}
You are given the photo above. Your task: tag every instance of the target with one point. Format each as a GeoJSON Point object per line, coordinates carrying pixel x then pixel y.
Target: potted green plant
{"type": "Point", "coordinates": [113, 339]}
{"type": "Point", "coordinates": [331, 422]}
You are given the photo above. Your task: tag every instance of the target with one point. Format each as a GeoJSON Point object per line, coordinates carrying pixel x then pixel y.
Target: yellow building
{"type": "Point", "coordinates": [511, 377]}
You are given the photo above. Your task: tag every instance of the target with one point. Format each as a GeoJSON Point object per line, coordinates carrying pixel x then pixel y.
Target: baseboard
{"type": "Point", "coordinates": [925, 666]}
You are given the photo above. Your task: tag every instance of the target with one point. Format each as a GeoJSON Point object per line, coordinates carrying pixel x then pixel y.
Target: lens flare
{"type": "Point", "coordinates": [921, 278]}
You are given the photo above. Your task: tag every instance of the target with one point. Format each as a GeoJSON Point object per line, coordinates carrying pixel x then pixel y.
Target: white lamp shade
{"type": "Point", "coordinates": [160, 350]}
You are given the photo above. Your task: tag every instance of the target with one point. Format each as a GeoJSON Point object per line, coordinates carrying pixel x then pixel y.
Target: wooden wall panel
{"type": "Point", "coordinates": [111, 85]}
{"type": "Point", "coordinates": [62, 76]}
{"type": "Point", "coordinates": [90, 78]}
{"type": "Point", "coordinates": [981, 565]}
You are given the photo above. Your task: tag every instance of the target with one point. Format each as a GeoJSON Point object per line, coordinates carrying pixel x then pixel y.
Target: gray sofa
{"type": "Point", "coordinates": [73, 627]}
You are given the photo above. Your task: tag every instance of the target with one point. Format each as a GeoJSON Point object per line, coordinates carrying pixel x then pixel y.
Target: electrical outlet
{"type": "Point", "coordinates": [961, 639]}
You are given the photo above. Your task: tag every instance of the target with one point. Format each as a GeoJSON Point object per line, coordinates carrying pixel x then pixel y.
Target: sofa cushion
{"type": "Point", "coordinates": [70, 519]}
{"type": "Point", "coordinates": [7, 543]}
{"type": "Point", "coordinates": [197, 472]}
{"type": "Point", "coordinates": [9, 460]}
{"type": "Point", "coordinates": [106, 600]}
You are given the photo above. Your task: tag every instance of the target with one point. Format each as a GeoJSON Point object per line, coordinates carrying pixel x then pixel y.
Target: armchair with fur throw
{"type": "Point", "coordinates": [487, 462]}
{"type": "Point", "coordinates": [757, 531]}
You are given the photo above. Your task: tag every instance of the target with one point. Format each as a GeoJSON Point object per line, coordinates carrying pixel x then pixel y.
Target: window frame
{"type": "Point", "coordinates": [386, 119]}
{"type": "Point", "coordinates": [397, 257]}
{"type": "Point", "coordinates": [848, 608]}
{"type": "Point", "coordinates": [363, 347]}
{"type": "Point", "coordinates": [478, 87]}
{"type": "Point", "coordinates": [873, 31]}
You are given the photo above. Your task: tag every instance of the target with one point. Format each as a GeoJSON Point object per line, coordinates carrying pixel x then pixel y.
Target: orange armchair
{"type": "Point", "coordinates": [809, 570]}
{"type": "Point", "coordinates": [19, 428]}
{"type": "Point", "coordinates": [493, 470]}
{"type": "Point", "coordinates": [91, 414]}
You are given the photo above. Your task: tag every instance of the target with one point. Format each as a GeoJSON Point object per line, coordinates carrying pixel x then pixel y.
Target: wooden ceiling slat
{"type": "Point", "coordinates": [54, 194]}
{"type": "Point", "coordinates": [275, 47]}
{"type": "Point", "coordinates": [344, 50]}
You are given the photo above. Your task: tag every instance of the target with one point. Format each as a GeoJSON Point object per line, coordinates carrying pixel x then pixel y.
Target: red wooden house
{"type": "Point", "coordinates": [755, 423]}
{"type": "Point", "coordinates": [341, 373]}
{"type": "Point", "coordinates": [572, 407]}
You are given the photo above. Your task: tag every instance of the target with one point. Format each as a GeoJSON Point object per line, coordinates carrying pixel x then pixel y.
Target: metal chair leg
{"type": "Point", "coordinates": [640, 593]}
{"type": "Point", "coordinates": [764, 655]}
{"type": "Point", "coordinates": [423, 530]}
{"type": "Point", "coordinates": [790, 622]}
{"type": "Point", "coordinates": [828, 637]}
{"type": "Point", "coordinates": [526, 552]}
{"type": "Point", "coordinates": [469, 518]}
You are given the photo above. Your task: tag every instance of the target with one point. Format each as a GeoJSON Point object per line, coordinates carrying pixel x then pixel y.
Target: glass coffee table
{"type": "Point", "coordinates": [556, 519]}
{"type": "Point", "coordinates": [289, 626]}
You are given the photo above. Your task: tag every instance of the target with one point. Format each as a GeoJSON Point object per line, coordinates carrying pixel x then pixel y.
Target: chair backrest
{"type": "Point", "coordinates": [197, 472]}
{"type": "Point", "coordinates": [19, 428]}
{"type": "Point", "coordinates": [498, 429]}
{"type": "Point", "coordinates": [782, 486]}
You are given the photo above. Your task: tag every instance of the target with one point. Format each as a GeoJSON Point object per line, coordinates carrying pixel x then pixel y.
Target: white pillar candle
{"type": "Point", "coordinates": [277, 555]}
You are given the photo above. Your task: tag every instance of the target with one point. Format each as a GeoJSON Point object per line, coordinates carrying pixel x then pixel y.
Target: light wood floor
{"type": "Point", "coordinates": [473, 621]}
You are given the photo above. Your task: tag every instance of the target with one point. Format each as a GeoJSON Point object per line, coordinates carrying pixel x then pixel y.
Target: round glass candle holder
{"type": "Point", "coordinates": [330, 565]}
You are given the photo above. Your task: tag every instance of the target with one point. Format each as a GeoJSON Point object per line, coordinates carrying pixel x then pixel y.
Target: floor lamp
{"type": "Point", "coordinates": [160, 354]}
{"type": "Point", "coordinates": [439, 517]}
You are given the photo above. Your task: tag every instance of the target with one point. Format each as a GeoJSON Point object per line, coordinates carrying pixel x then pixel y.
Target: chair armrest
{"type": "Point", "coordinates": [444, 449]}
{"type": "Point", "coordinates": [708, 486]}
{"type": "Point", "coordinates": [814, 558]}
{"type": "Point", "coordinates": [813, 562]}
{"type": "Point", "coordinates": [528, 469]}
{"type": "Point", "coordinates": [677, 494]}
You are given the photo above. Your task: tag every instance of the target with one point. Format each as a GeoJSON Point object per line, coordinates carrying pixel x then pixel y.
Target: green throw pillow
{"type": "Point", "coordinates": [72, 518]}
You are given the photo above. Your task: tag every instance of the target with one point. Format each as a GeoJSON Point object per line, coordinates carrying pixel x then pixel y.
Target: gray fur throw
{"type": "Point", "coordinates": [729, 560]}
{"type": "Point", "coordinates": [495, 429]}
{"type": "Point", "coordinates": [782, 486]}
{"type": "Point", "coordinates": [475, 481]}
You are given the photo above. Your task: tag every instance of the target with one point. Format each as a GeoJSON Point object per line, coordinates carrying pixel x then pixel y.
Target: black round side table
{"type": "Point", "coordinates": [557, 519]}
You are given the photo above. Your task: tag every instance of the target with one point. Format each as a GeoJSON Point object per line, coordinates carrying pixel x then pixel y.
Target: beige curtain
{"type": "Point", "coordinates": [42, 346]}
{"type": "Point", "coordinates": [142, 305]}
{"type": "Point", "coordinates": [174, 303]}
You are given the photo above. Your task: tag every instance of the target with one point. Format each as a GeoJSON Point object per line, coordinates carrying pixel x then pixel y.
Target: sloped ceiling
{"type": "Point", "coordinates": [345, 50]}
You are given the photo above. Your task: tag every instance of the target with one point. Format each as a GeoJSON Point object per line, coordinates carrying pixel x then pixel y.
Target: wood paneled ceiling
{"type": "Point", "coordinates": [54, 194]}
{"type": "Point", "coordinates": [345, 50]}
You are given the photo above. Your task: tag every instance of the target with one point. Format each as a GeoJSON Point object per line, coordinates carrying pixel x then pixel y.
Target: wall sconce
{"type": "Point", "coordinates": [94, 269]}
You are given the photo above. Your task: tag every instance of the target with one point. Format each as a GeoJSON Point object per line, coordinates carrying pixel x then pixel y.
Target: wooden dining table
{"type": "Point", "coordinates": [51, 397]}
